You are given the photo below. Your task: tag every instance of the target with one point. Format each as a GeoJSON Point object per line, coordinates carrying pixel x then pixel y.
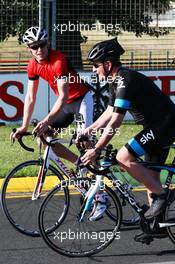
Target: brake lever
{"type": "Point", "coordinates": [11, 138]}
{"type": "Point", "coordinates": [34, 135]}
{"type": "Point", "coordinates": [72, 139]}
{"type": "Point", "coordinates": [12, 141]}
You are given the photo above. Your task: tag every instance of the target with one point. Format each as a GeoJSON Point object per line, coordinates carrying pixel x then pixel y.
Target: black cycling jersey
{"type": "Point", "coordinates": [134, 92]}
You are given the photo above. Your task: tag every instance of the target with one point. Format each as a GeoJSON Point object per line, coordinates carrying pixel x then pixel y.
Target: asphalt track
{"type": "Point", "coordinates": [16, 248]}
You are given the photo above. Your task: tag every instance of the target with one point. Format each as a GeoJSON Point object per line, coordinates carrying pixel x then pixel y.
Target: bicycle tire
{"type": "Point", "coordinates": [129, 221]}
{"type": "Point", "coordinates": [170, 218]}
{"type": "Point", "coordinates": [130, 217]}
{"type": "Point", "coordinates": [20, 210]}
{"type": "Point", "coordinates": [78, 245]}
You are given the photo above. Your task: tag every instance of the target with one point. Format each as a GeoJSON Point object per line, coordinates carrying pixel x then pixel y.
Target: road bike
{"type": "Point", "coordinates": [77, 236]}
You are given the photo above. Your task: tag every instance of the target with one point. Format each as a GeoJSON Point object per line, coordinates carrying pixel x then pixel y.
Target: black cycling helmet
{"type": "Point", "coordinates": [105, 50]}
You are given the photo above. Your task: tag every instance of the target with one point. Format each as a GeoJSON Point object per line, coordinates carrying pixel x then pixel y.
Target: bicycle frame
{"type": "Point", "coordinates": [48, 156]}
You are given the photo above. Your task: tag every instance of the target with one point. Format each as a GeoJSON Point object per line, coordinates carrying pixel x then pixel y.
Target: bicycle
{"type": "Point", "coordinates": [79, 237]}
{"type": "Point", "coordinates": [23, 193]}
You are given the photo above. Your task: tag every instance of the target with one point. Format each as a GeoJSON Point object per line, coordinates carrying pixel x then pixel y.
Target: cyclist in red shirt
{"type": "Point", "coordinates": [73, 95]}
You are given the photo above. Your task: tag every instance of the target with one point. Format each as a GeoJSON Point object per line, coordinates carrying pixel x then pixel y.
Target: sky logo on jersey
{"type": "Point", "coordinates": [146, 137]}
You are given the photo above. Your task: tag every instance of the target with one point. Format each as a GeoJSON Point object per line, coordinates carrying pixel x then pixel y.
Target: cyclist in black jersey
{"type": "Point", "coordinates": [134, 92]}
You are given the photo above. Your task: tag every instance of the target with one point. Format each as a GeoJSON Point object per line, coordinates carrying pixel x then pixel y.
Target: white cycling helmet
{"type": "Point", "coordinates": [34, 34]}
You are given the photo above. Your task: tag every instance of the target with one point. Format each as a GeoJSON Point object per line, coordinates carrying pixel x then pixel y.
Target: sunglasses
{"type": "Point", "coordinates": [96, 65]}
{"type": "Point", "coordinates": [37, 46]}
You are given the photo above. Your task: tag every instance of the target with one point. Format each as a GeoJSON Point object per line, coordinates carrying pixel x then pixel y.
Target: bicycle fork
{"type": "Point", "coordinates": [42, 172]}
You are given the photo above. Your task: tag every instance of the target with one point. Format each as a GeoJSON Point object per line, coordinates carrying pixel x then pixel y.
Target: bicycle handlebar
{"type": "Point", "coordinates": [109, 155]}
{"type": "Point", "coordinates": [20, 140]}
{"type": "Point", "coordinates": [24, 146]}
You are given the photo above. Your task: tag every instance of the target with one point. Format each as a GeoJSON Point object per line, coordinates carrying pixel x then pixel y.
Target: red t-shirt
{"type": "Point", "coordinates": [54, 68]}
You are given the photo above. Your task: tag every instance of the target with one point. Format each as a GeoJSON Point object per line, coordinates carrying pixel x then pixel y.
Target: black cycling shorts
{"type": "Point", "coordinates": [152, 140]}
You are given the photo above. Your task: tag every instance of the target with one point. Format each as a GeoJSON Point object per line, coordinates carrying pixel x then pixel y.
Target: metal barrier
{"type": "Point", "coordinates": [147, 63]}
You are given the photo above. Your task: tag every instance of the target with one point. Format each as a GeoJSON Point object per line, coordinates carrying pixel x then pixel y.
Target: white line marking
{"type": "Point", "coordinates": [167, 262]}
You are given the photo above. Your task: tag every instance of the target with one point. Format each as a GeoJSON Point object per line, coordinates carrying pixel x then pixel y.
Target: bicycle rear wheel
{"type": "Point", "coordinates": [130, 217]}
{"type": "Point", "coordinates": [75, 238]}
{"type": "Point", "coordinates": [170, 219]}
{"type": "Point", "coordinates": [16, 197]}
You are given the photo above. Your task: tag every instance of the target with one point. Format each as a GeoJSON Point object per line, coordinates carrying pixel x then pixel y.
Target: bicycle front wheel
{"type": "Point", "coordinates": [16, 198]}
{"type": "Point", "coordinates": [76, 237]}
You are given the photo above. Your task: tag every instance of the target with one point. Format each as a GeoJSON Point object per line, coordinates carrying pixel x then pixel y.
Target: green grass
{"type": "Point", "coordinates": [11, 155]}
